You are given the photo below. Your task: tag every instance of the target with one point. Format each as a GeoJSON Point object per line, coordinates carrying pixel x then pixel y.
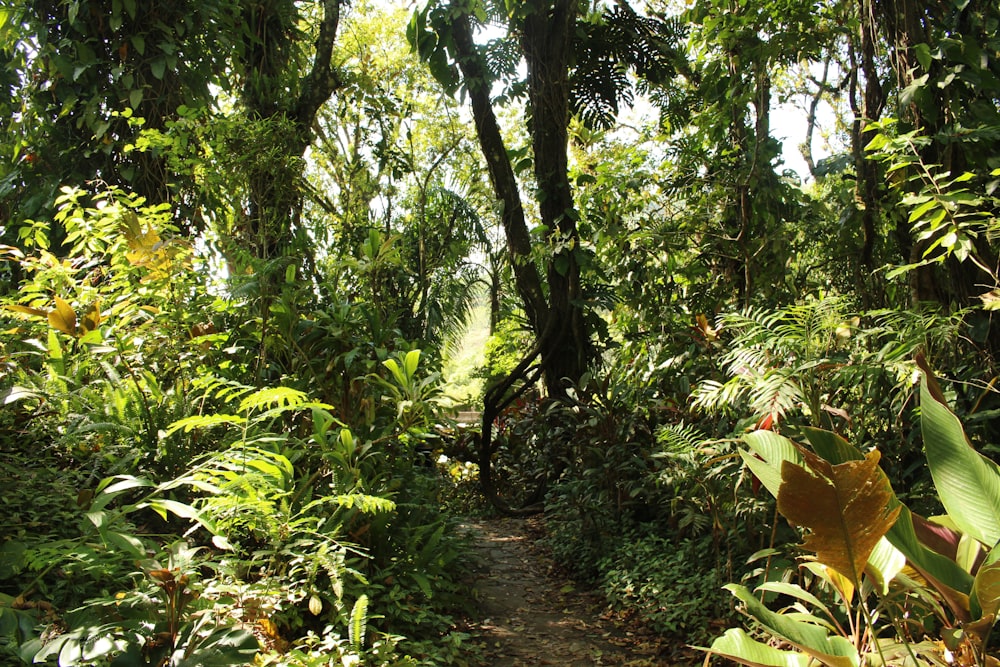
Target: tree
{"type": "Point", "coordinates": [564, 76]}
{"type": "Point", "coordinates": [79, 75]}
{"type": "Point", "coordinates": [396, 158]}
{"type": "Point", "coordinates": [284, 104]}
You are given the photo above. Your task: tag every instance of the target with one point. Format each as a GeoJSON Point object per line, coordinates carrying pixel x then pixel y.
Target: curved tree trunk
{"type": "Point", "coordinates": [554, 308]}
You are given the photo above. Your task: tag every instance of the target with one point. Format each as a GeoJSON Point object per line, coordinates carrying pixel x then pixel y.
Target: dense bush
{"type": "Point", "coordinates": [667, 585]}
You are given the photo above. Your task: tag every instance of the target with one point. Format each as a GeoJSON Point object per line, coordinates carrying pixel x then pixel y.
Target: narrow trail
{"type": "Point", "coordinates": [532, 616]}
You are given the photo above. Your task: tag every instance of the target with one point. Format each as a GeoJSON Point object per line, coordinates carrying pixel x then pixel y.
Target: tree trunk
{"type": "Point", "coordinates": [547, 45]}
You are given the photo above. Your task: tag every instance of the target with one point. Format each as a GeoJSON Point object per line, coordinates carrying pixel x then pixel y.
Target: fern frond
{"type": "Point", "coordinates": [680, 438]}
{"type": "Point", "coordinates": [359, 623]}
{"type": "Point", "coordinates": [272, 397]}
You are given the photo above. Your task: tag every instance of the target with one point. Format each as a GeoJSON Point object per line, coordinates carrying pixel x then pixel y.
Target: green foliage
{"type": "Point", "coordinates": [863, 542]}
{"type": "Point", "coordinates": [947, 212]}
{"type": "Point", "coordinates": [156, 624]}
{"type": "Point", "coordinates": [666, 585]}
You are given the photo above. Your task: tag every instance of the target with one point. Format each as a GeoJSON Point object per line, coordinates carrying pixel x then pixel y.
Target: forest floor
{"type": "Point", "coordinates": [532, 614]}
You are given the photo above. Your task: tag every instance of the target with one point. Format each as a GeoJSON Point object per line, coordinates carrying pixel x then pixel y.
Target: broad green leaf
{"type": "Point", "coordinates": [225, 647]}
{"type": "Point", "coordinates": [967, 483]}
{"type": "Point", "coordinates": [124, 542]}
{"type": "Point", "coordinates": [952, 582]}
{"type": "Point", "coordinates": [794, 591]}
{"type": "Point", "coordinates": [163, 505]}
{"type": "Point", "coordinates": [773, 450]}
{"type": "Point", "coordinates": [922, 52]}
{"type": "Point", "coordinates": [15, 393]}
{"type": "Point", "coordinates": [109, 487]}
{"type": "Point", "coordinates": [831, 446]}
{"type": "Point", "coordinates": [987, 589]}
{"type": "Point", "coordinates": [846, 508]}
{"type": "Point", "coordinates": [411, 361]}
{"type": "Point", "coordinates": [396, 371]}
{"type": "Point", "coordinates": [884, 563]}
{"type": "Point", "coordinates": [158, 67]}
{"type": "Point", "coordinates": [834, 651]}
{"type": "Point", "coordinates": [738, 646]}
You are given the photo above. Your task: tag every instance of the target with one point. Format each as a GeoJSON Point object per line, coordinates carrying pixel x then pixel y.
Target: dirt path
{"type": "Point", "coordinates": [532, 616]}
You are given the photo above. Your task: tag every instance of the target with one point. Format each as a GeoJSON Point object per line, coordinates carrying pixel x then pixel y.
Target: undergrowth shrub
{"type": "Point", "coordinates": [151, 421]}
{"type": "Point", "coordinates": [667, 585]}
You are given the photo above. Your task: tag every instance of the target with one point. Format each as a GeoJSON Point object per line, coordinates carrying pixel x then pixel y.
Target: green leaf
{"type": "Point", "coordinates": [15, 394]}
{"type": "Point", "coordinates": [948, 579]}
{"type": "Point", "coordinates": [771, 451]}
{"type": "Point", "coordinates": [411, 361]}
{"type": "Point", "coordinates": [158, 67]}
{"type": "Point", "coordinates": [124, 542]}
{"type": "Point", "coordinates": [831, 446]}
{"type": "Point", "coordinates": [396, 371]}
{"type": "Point", "coordinates": [795, 591]}
{"type": "Point", "coordinates": [884, 563]}
{"type": "Point", "coordinates": [225, 647]}
{"type": "Point", "coordinates": [987, 587]}
{"type": "Point", "coordinates": [359, 623]}
{"type": "Point", "coordinates": [108, 487]}
{"type": "Point", "coordinates": [738, 646]}
{"type": "Point", "coordinates": [163, 505]}
{"type": "Point", "coordinates": [922, 210]}
{"type": "Point", "coordinates": [273, 397]}
{"type": "Point", "coordinates": [203, 421]}
{"type": "Point", "coordinates": [967, 482]}
{"type": "Point", "coordinates": [923, 55]}
{"type": "Point", "coordinates": [813, 639]}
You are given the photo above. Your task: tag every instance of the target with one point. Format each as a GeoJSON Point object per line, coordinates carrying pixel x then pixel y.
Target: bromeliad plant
{"type": "Point", "coordinates": [897, 589]}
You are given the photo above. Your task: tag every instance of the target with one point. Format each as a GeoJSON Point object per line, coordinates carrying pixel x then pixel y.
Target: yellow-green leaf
{"type": "Point", "coordinates": [25, 310]}
{"type": "Point", "coordinates": [738, 646]}
{"type": "Point", "coordinates": [987, 589]}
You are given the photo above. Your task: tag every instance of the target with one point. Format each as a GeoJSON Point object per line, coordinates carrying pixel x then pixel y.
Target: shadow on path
{"type": "Point", "coordinates": [531, 617]}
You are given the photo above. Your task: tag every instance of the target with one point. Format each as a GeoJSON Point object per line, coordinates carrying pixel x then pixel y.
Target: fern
{"type": "Point", "coordinates": [779, 361]}
{"type": "Point", "coordinates": [359, 624]}
{"type": "Point", "coordinates": [273, 397]}
{"type": "Point", "coordinates": [680, 438]}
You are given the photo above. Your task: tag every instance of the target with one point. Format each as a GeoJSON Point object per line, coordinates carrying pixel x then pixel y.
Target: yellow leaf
{"type": "Point", "coordinates": [63, 318]}
{"type": "Point", "coordinates": [91, 319]}
{"type": "Point", "coordinates": [269, 627]}
{"type": "Point", "coordinates": [25, 310]}
{"type": "Point", "coordinates": [845, 507]}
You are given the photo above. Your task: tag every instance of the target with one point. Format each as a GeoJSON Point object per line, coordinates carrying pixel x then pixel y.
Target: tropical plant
{"type": "Point", "coordinates": [938, 610]}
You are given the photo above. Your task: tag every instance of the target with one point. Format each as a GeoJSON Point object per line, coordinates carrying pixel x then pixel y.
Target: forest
{"type": "Point", "coordinates": [714, 281]}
